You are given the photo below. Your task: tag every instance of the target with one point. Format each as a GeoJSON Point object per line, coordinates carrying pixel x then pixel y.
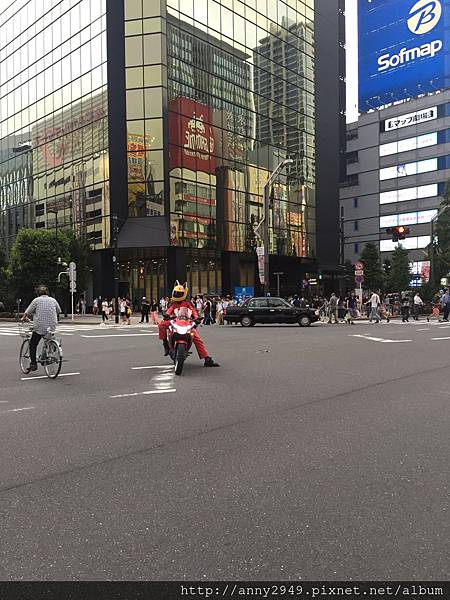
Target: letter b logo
{"type": "Point", "coordinates": [424, 16]}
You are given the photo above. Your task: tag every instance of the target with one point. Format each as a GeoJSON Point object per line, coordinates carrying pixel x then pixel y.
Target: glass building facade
{"type": "Point", "coordinates": [190, 104]}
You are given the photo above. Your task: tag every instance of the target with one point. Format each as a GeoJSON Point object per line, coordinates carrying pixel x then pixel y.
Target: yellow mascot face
{"type": "Point", "coordinates": [180, 292]}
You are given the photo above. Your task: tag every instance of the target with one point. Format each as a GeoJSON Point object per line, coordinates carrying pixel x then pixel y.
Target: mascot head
{"type": "Point", "coordinates": [179, 292]}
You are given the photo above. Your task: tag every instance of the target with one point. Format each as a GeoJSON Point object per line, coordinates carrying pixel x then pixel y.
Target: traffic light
{"type": "Point", "coordinates": [141, 272]}
{"type": "Point", "coordinates": [398, 233]}
{"type": "Point", "coordinates": [320, 275]}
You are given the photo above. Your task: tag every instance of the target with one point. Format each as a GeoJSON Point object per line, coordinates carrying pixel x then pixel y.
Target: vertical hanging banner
{"type": "Point", "coordinates": [260, 254]}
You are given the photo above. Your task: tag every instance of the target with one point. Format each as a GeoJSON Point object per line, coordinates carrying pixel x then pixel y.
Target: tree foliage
{"type": "Point", "coordinates": [34, 260]}
{"type": "Point", "coordinates": [373, 273]}
{"type": "Point", "coordinates": [399, 277]}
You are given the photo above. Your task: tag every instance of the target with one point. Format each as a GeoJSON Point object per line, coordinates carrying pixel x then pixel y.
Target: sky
{"type": "Point", "coordinates": [351, 43]}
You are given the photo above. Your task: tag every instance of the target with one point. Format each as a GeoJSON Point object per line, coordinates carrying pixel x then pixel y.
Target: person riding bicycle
{"type": "Point", "coordinates": [178, 300]}
{"type": "Point", "coordinates": [45, 310]}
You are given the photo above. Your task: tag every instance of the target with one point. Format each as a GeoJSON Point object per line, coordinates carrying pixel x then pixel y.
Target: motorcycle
{"type": "Point", "coordinates": [180, 334]}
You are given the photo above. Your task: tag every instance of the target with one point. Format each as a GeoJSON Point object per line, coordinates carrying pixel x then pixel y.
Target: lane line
{"type": "Point", "coordinates": [108, 335]}
{"type": "Point", "coordinates": [152, 367]}
{"type": "Point", "coordinates": [12, 410]}
{"type": "Point", "coordinates": [442, 338]}
{"type": "Point", "coordinates": [164, 391]}
{"type": "Point", "coordinates": [425, 329]}
{"type": "Point", "coordinates": [381, 340]}
{"type": "Point", "coordinates": [45, 376]}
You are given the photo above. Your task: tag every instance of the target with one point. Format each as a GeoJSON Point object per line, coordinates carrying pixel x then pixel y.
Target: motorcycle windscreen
{"type": "Point", "coordinates": [183, 313]}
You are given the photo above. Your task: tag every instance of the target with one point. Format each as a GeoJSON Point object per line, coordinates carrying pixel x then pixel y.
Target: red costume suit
{"type": "Point", "coordinates": [163, 325]}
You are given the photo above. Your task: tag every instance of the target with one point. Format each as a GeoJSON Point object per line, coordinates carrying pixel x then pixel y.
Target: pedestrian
{"type": "Point", "coordinates": [417, 303]}
{"type": "Point", "coordinates": [123, 310]}
{"type": "Point", "coordinates": [207, 312]}
{"type": "Point", "coordinates": [436, 305]}
{"type": "Point", "coordinates": [105, 310]}
{"type": "Point", "coordinates": [154, 312]}
{"type": "Point", "coordinates": [219, 314]}
{"type": "Point", "coordinates": [405, 309]}
{"type": "Point", "coordinates": [332, 306]}
{"type": "Point", "coordinates": [129, 311]}
{"type": "Point", "coordinates": [446, 304]}
{"type": "Point", "coordinates": [341, 309]}
{"type": "Point", "coordinates": [295, 301]}
{"type": "Point", "coordinates": [83, 306]}
{"type": "Point", "coordinates": [145, 309]}
{"type": "Point", "coordinates": [214, 301]}
{"type": "Point", "coordinates": [352, 305]}
{"type": "Point", "coordinates": [95, 306]}
{"type": "Point", "coordinates": [374, 303]}
{"type": "Point", "coordinates": [199, 305]}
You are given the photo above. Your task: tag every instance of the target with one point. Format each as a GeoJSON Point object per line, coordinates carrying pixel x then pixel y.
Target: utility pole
{"type": "Point", "coordinates": [266, 222]}
{"type": "Point", "coordinates": [342, 252]}
{"type": "Point", "coordinates": [115, 231]}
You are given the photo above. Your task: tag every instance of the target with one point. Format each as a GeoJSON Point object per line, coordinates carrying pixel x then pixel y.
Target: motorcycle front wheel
{"type": "Point", "coordinates": [180, 357]}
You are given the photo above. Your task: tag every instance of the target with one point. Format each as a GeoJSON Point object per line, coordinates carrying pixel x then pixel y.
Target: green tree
{"type": "Point", "coordinates": [34, 260]}
{"type": "Point", "coordinates": [348, 276]}
{"type": "Point", "coordinates": [399, 277]}
{"type": "Point", "coordinates": [373, 273]}
{"type": "Point", "coordinates": [5, 288]}
{"type": "Point", "coordinates": [442, 245]}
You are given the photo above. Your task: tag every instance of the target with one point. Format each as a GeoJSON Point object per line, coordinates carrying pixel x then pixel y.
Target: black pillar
{"type": "Point", "coordinates": [176, 266]}
{"type": "Point", "coordinates": [103, 275]}
{"type": "Point", "coordinates": [231, 272]}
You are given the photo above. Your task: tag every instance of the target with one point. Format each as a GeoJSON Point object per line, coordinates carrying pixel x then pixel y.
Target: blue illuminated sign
{"type": "Point", "coordinates": [403, 49]}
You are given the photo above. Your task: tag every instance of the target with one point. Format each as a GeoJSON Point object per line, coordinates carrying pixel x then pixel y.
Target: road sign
{"type": "Point", "coordinates": [73, 286]}
{"type": "Point", "coordinates": [359, 272]}
{"type": "Point", "coordinates": [359, 266]}
{"type": "Point", "coordinates": [244, 292]}
{"type": "Point", "coordinates": [359, 279]}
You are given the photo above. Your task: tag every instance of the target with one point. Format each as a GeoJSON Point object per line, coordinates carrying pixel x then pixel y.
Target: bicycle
{"type": "Point", "coordinates": [50, 357]}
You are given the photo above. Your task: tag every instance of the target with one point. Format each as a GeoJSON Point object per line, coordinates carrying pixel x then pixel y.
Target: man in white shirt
{"type": "Point", "coordinates": [374, 304]}
{"type": "Point", "coordinates": [45, 310]}
{"type": "Point", "coordinates": [418, 302]}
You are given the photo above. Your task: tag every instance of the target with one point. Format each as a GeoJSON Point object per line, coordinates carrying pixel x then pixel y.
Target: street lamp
{"type": "Point", "coordinates": [265, 221]}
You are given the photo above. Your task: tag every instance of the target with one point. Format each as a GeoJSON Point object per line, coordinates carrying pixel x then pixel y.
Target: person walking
{"type": "Point", "coordinates": [446, 304]}
{"type": "Point", "coordinates": [163, 305]}
{"type": "Point", "coordinates": [145, 309]}
{"type": "Point", "coordinates": [83, 306]}
{"type": "Point", "coordinates": [417, 303]}
{"type": "Point", "coordinates": [207, 312]}
{"type": "Point", "coordinates": [374, 303]}
{"type": "Point", "coordinates": [129, 311]}
{"type": "Point", "coordinates": [154, 312]}
{"type": "Point", "coordinates": [123, 310]}
{"type": "Point", "coordinates": [332, 307]}
{"type": "Point", "coordinates": [105, 310]}
{"type": "Point", "coordinates": [341, 309]}
{"type": "Point", "coordinates": [95, 306]}
{"type": "Point", "coordinates": [352, 306]}
{"type": "Point", "coordinates": [405, 309]}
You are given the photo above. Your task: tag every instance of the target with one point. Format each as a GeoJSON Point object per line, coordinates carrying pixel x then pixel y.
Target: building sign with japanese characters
{"type": "Point", "coordinates": [414, 118]}
{"type": "Point", "coordinates": [403, 50]}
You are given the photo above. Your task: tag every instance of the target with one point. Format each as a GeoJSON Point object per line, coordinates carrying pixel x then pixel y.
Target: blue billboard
{"type": "Point", "coordinates": [403, 49]}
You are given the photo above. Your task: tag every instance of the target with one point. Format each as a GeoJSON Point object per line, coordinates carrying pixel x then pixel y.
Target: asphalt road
{"type": "Point", "coordinates": [317, 453]}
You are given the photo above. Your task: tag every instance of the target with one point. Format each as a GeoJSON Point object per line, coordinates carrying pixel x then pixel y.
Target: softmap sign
{"type": "Point", "coordinates": [403, 46]}
{"type": "Point", "coordinates": [260, 254]}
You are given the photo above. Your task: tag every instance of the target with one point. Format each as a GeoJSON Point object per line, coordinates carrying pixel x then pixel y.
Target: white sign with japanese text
{"type": "Point", "coordinates": [420, 116]}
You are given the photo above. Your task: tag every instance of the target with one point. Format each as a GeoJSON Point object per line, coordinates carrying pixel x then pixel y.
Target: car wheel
{"type": "Point", "coordinates": [304, 321]}
{"type": "Point", "coordinates": [246, 321]}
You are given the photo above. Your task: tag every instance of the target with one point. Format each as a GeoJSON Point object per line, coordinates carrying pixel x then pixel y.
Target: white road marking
{"type": "Point", "coordinates": [425, 329]}
{"type": "Point", "coordinates": [45, 376]}
{"type": "Point", "coordinates": [12, 410]}
{"type": "Point", "coordinates": [4, 401]}
{"type": "Point", "coordinates": [108, 335]}
{"type": "Point", "coordinates": [152, 367]}
{"type": "Point", "coordinates": [381, 340]}
{"type": "Point", "coordinates": [442, 338]}
{"type": "Point", "coordinates": [164, 391]}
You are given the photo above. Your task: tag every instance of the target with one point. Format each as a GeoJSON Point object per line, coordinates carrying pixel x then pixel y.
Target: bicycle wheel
{"type": "Point", "coordinates": [53, 361]}
{"type": "Point", "coordinates": [24, 357]}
